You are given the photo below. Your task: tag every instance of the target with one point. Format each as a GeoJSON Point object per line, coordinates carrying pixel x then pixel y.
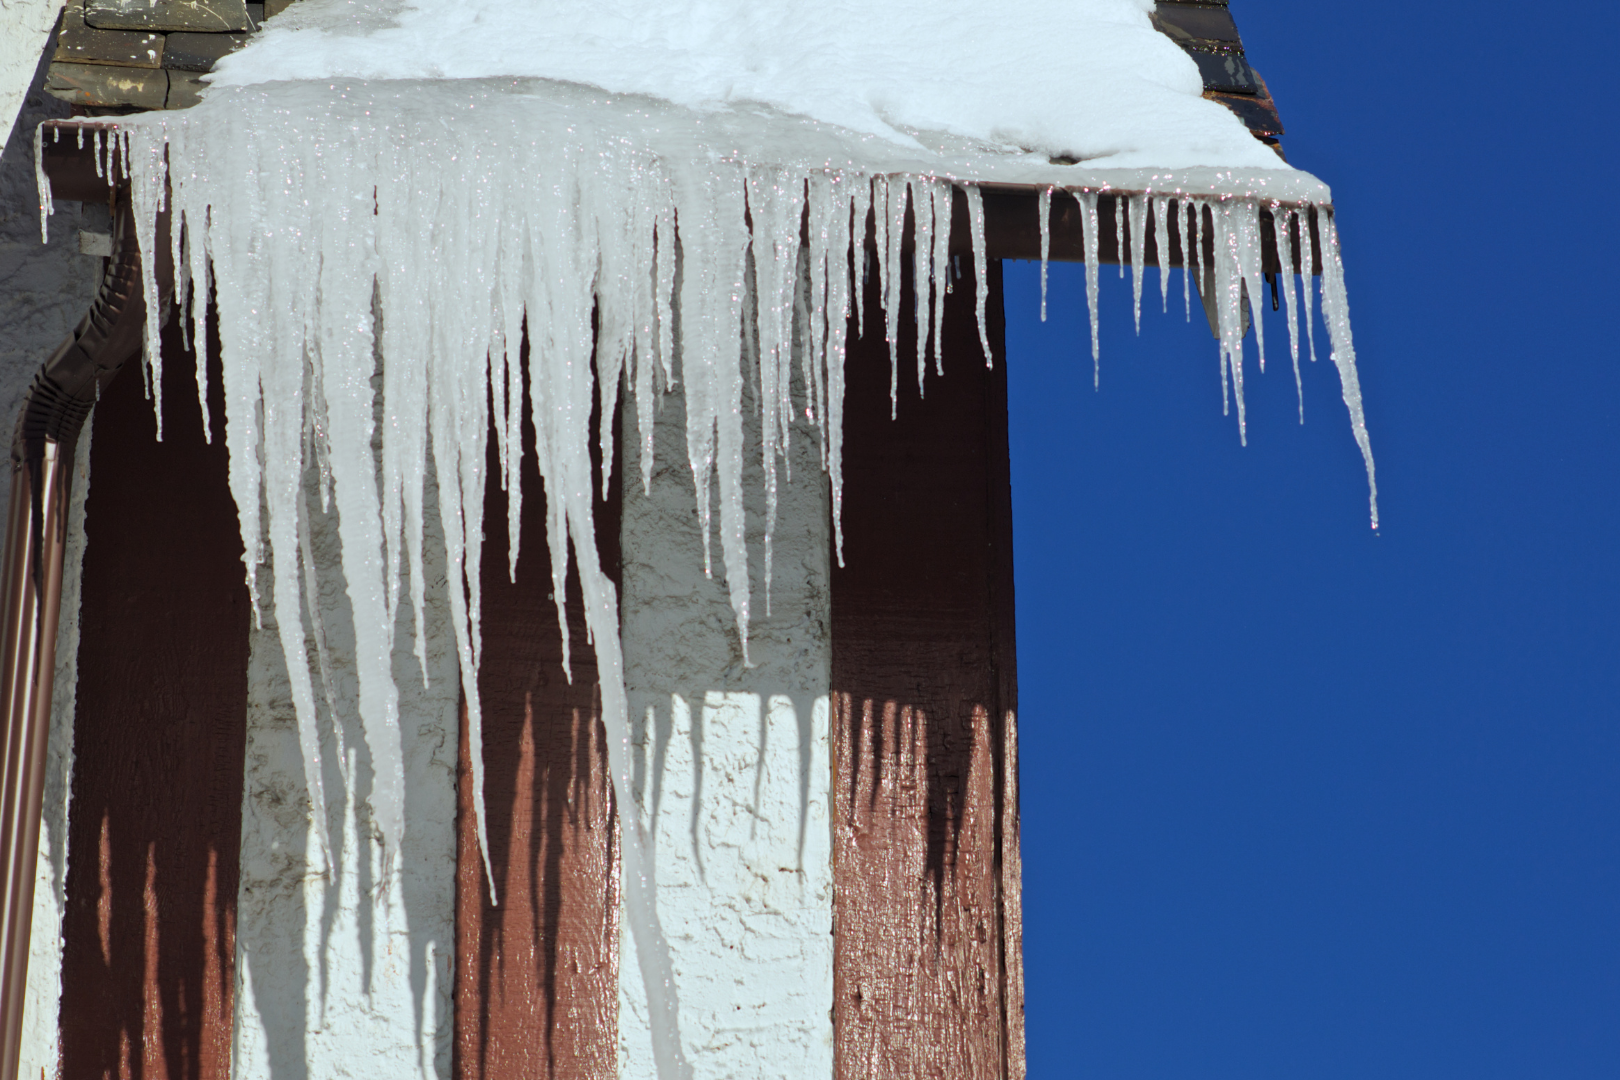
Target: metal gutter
{"type": "Point", "coordinates": [48, 425]}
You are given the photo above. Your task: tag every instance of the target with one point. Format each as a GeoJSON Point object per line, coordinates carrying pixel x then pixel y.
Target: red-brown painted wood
{"type": "Point", "coordinates": [926, 963]}
{"type": "Point", "coordinates": [159, 729]}
{"type": "Point", "coordinates": [537, 977]}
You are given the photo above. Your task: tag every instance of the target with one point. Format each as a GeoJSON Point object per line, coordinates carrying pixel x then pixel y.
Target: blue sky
{"type": "Point", "coordinates": [1302, 800]}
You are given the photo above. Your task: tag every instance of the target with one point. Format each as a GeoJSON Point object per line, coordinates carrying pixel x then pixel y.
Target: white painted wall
{"type": "Point", "coordinates": [44, 290]}
{"type": "Point", "coordinates": [342, 974]}
{"type": "Point", "coordinates": [732, 767]}
{"type": "Point", "coordinates": [25, 28]}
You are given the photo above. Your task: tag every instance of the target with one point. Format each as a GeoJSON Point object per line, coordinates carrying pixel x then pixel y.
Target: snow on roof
{"type": "Point", "coordinates": [1089, 81]}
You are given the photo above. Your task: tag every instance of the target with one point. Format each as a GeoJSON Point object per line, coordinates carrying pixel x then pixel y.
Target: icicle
{"type": "Point", "coordinates": [147, 200]}
{"type": "Point", "coordinates": [648, 194]}
{"type": "Point", "coordinates": [834, 209]}
{"type": "Point", "coordinates": [981, 273]}
{"type": "Point", "coordinates": [282, 386]}
{"type": "Point", "coordinates": [1137, 208]}
{"type": "Point", "coordinates": [810, 292]}
{"type": "Point", "coordinates": [343, 250]}
{"type": "Point", "coordinates": [1045, 211]}
{"type": "Point", "coordinates": [860, 205]}
{"type": "Point", "coordinates": [1189, 251]}
{"type": "Point", "coordinates": [944, 202]}
{"type": "Point", "coordinates": [827, 217]}
{"type": "Point", "coordinates": [922, 253]}
{"type": "Point", "coordinates": [751, 361]}
{"type": "Point", "coordinates": [513, 264]}
{"type": "Point", "coordinates": [401, 284]}
{"type": "Point", "coordinates": [664, 288]}
{"type": "Point", "coordinates": [202, 273]}
{"type": "Point", "coordinates": [42, 183]}
{"type": "Point", "coordinates": [1283, 227]}
{"type": "Point", "coordinates": [182, 284]}
{"type": "Point", "coordinates": [101, 170]}
{"type": "Point", "coordinates": [1227, 280]}
{"type": "Point", "coordinates": [891, 195]}
{"type": "Point", "coordinates": [615, 310]}
{"type": "Point", "coordinates": [648, 329]}
{"type": "Point", "coordinates": [1308, 270]}
{"type": "Point", "coordinates": [1088, 214]}
{"type": "Point", "coordinates": [1119, 232]}
{"type": "Point", "coordinates": [1245, 218]}
{"type": "Point", "coordinates": [1336, 314]}
{"type": "Point", "coordinates": [776, 207]}
{"type": "Point", "coordinates": [714, 244]}
{"type": "Point", "coordinates": [1161, 237]}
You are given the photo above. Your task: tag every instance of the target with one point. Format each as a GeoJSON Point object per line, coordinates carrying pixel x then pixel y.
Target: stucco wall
{"type": "Point", "coordinates": [346, 974]}
{"type": "Point", "coordinates": [25, 25]}
{"type": "Point", "coordinates": [44, 290]}
{"type": "Point", "coordinates": [732, 766]}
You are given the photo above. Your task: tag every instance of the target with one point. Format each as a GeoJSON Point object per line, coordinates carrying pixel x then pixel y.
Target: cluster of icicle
{"type": "Point", "coordinates": [440, 247]}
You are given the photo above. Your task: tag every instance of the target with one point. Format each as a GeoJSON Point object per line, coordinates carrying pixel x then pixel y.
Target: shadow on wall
{"type": "Point", "coordinates": [690, 692]}
{"type": "Point", "coordinates": [547, 959]}
{"type": "Point", "coordinates": [537, 975]}
{"type": "Point", "coordinates": [348, 967]}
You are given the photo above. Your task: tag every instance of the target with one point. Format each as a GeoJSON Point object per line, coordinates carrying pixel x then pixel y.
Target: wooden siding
{"type": "Point", "coordinates": [537, 977]}
{"type": "Point", "coordinates": [925, 816]}
{"type": "Point", "coordinates": [155, 819]}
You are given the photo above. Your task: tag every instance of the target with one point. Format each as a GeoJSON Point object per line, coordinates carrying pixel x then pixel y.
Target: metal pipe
{"type": "Point", "coordinates": [33, 593]}
{"type": "Point", "coordinates": [48, 427]}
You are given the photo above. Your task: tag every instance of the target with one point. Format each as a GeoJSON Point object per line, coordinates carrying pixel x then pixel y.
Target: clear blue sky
{"type": "Point", "coordinates": [1302, 801]}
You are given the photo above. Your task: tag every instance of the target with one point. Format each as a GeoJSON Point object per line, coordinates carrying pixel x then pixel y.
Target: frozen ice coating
{"type": "Point", "coordinates": [1089, 80]}
{"type": "Point", "coordinates": [381, 252]}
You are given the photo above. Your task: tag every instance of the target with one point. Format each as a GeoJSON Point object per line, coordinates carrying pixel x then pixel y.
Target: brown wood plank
{"type": "Point", "coordinates": [159, 728]}
{"type": "Point", "coordinates": [923, 680]}
{"type": "Point", "coordinates": [537, 977]}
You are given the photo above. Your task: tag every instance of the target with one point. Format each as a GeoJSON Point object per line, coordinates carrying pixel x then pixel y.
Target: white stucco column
{"type": "Point", "coordinates": [344, 974]}
{"type": "Point", "coordinates": [45, 288]}
{"type": "Point", "coordinates": [732, 765]}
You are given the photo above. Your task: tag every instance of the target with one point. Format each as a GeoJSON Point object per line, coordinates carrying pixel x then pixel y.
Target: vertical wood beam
{"type": "Point", "coordinates": [537, 977]}
{"type": "Point", "coordinates": [926, 971]}
{"type": "Point", "coordinates": [155, 819]}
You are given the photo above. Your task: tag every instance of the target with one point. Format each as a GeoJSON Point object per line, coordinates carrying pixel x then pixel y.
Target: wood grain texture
{"type": "Point", "coordinates": [149, 931]}
{"type": "Point", "coordinates": [537, 977]}
{"type": "Point", "coordinates": [926, 975]}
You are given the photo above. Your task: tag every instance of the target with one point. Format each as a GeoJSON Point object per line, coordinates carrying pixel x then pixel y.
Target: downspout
{"type": "Point", "coordinates": [65, 388]}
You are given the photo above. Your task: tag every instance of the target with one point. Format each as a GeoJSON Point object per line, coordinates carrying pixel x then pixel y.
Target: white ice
{"type": "Point", "coordinates": [378, 252]}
